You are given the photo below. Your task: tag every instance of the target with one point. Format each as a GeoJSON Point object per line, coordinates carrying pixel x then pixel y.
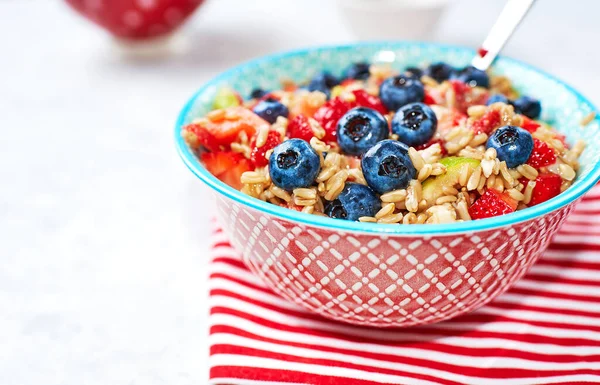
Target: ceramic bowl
{"type": "Point", "coordinates": [391, 275]}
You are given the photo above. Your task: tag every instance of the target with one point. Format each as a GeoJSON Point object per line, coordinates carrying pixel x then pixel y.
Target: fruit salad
{"type": "Point", "coordinates": [428, 145]}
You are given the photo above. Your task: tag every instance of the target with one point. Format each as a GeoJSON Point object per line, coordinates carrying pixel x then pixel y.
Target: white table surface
{"type": "Point", "coordinates": [103, 231]}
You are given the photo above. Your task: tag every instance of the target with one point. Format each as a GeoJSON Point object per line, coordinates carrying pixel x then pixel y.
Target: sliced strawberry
{"type": "Point", "coordinates": [431, 143]}
{"type": "Point", "coordinates": [227, 166]}
{"type": "Point", "coordinates": [486, 124]}
{"type": "Point", "coordinates": [547, 186]}
{"type": "Point", "coordinates": [203, 137]}
{"type": "Point", "coordinates": [257, 155]}
{"type": "Point", "coordinates": [237, 119]}
{"type": "Point", "coordinates": [299, 127]}
{"type": "Point", "coordinates": [428, 99]}
{"type": "Point", "coordinates": [491, 204]}
{"type": "Point", "coordinates": [329, 114]}
{"type": "Point", "coordinates": [364, 99]}
{"type": "Point", "coordinates": [541, 155]}
{"type": "Point", "coordinates": [529, 125]}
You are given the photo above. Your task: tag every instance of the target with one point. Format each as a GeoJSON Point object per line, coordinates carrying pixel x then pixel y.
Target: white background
{"type": "Point", "coordinates": [102, 230]}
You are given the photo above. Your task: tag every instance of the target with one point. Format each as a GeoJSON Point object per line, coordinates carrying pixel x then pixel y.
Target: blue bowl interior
{"type": "Point", "coordinates": [562, 106]}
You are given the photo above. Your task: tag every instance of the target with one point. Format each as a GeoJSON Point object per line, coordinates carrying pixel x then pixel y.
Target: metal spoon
{"type": "Point", "coordinates": [514, 11]}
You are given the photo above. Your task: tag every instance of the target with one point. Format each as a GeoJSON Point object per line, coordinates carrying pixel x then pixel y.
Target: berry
{"type": "Point", "coordinates": [324, 82]}
{"type": "Point", "coordinates": [359, 129]}
{"type": "Point", "coordinates": [357, 71]}
{"type": "Point", "coordinates": [400, 90]}
{"type": "Point", "coordinates": [365, 99]}
{"type": "Point", "coordinates": [216, 134]}
{"type": "Point", "coordinates": [439, 71]}
{"type": "Point", "coordinates": [414, 71]}
{"type": "Point", "coordinates": [270, 109]}
{"type": "Point", "coordinates": [355, 201]}
{"type": "Point", "coordinates": [387, 166]}
{"type": "Point", "coordinates": [473, 77]}
{"type": "Point", "coordinates": [294, 164]}
{"type": "Point", "coordinates": [491, 204]}
{"type": "Point", "coordinates": [414, 124]}
{"type": "Point", "coordinates": [486, 124]}
{"type": "Point", "coordinates": [497, 98]}
{"type": "Point", "coordinates": [529, 125]}
{"type": "Point", "coordinates": [541, 155]}
{"type": "Point", "coordinates": [329, 114]}
{"type": "Point", "coordinates": [299, 127]}
{"type": "Point", "coordinates": [257, 93]}
{"type": "Point", "coordinates": [257, 156]}
{"type": "Point", "coordinates": [227, 166]}
{"type": "Point", "coordinates": [513, 145]}
{"type": "Point", "coordinates": [547, 186]}
{"type": "Point", "coordinates": [527, 106]}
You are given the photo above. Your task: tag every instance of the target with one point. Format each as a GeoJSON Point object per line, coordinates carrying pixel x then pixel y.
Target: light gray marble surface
{"type": "Point", "coordinates": [103, 231]}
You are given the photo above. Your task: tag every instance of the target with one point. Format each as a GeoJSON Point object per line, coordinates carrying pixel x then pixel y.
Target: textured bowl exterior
{"type": "Point", "coordinates": [385, 280]}
{"type": "Point", "coordinates": [392, 275]}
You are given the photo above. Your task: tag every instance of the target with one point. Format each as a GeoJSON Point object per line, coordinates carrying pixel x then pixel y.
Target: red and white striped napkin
{"type": "Point", "coordinates": [546, 329]}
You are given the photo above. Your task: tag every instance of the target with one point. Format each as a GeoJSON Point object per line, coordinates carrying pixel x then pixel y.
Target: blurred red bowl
{"type": "Point", "coordinates": [136, 19]}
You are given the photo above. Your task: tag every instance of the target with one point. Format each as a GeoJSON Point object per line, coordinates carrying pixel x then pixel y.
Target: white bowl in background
{"type": "Point", "coordinates": [392, 19]}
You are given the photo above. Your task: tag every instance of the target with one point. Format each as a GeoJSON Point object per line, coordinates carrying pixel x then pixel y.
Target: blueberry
{"type": "Point", "coordinates": [359, 129]}
{"type": "Point", "coordinates": [400, 90]}
{"type": "Point", "coordinates": [387, 166]}
{"type": "Point", "coordinates": [294, 164]}
{"type": "Point", "coordinates": [527, 106]}
{"type": "Point", "coordinates": [497, 98]}
{"type": "Point", "coordinates": [414, 124]}
{"type": "Point", "coordinates": [257, 93]}
{"type": "Point", "coordinates": [513, 145]}
{"type": "Point", "coordinates": [324, 82]}
{"type": "Point", "coordinates": [416, 72]}
{"type": "Point", "coordinates": [358, 71]}
{"type": "Point", "coordinates": [439, 71]}
{"type": "Point", "coordinates": [473, 77]}
{"type": "Point", "coordinates": [270, 109]}
{"type": "Point", "coordinates": [355, 201]}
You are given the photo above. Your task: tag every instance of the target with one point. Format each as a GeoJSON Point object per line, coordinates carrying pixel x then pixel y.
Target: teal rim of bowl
{"type": "Point", "coordinates": [193, 163]}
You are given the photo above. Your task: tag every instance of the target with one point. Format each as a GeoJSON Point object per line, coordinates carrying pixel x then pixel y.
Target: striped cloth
{"type": "Point", "coordinates": [546, 329]}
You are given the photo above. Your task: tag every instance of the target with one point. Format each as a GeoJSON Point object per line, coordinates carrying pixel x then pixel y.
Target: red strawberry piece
{"type": "Point", "coordinates": [529, 125]}
{"type": "Point", "coordinates": [299, 127]}
{"type": "Point", "coordinates": [541, 155]}
{"type": "Point", "coordinates": [547, 186]}
{"type": "Point", "coordinates": [236, 120]}
{"type": "Point", "coordinates": [137, 19]}
{"type": "Point", "coordinates": [329, 114]}
{"type": "Point", "coordinates": [257, 156]}
{"type": "Point", "coordinates": [491, 204]}
{"type": "Point", "coordinates": [428, 99]}
{"type": "Point", "coordinates": [203, 137]}
{"type": "Point", "coordinates": [487, 123]}
{"type": "Point", "coordinates": [431, 143]}
{"type": "Point", "coordinates": [227, 166]}
{"type": "Point", "coordinates": [365, 99]}
{"type": "Point", "coordinates": [460, 93]}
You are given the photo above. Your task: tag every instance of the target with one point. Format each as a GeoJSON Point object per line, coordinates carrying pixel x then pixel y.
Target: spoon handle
{"type": "Point", "coordinates": [514, 11]}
